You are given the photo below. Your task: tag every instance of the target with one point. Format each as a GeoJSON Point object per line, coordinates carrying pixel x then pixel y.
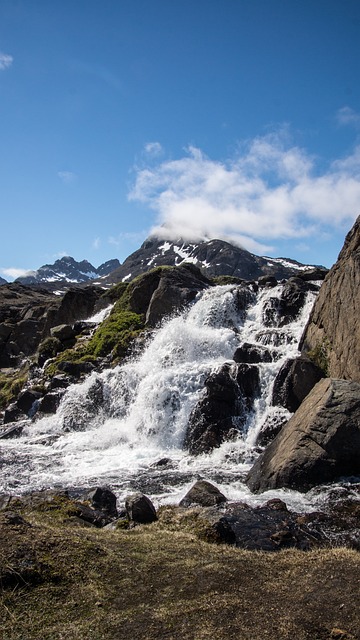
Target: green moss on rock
{"type": "Point", "coordinates": [11, 385]}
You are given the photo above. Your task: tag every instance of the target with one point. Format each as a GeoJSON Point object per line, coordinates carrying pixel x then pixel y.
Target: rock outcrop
{"type": "Point", "coordinates": [27, 316]}
{"type": "Point", "coordinates": [332, 335]}
{"type": "Point", "coordinates": [294, 381]}
{"type": "Point", "coordinates": [319, 444]}
{"type": "Point", "coordinates": [222, 411]}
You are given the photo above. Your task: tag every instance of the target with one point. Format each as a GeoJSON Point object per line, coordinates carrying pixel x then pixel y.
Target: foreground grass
{"type": "Point", "coordinates": [61, 581]}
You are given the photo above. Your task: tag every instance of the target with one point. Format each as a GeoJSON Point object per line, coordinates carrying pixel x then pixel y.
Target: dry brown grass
{"type": "Point", "coordinates": [67, 582]}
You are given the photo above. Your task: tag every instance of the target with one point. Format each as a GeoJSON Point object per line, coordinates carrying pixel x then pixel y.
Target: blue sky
{"type": "Point", "coordinates": [237, 119]}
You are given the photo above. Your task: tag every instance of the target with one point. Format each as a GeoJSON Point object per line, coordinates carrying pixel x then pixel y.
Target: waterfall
{"type": "Point", "coordinates": [116, 425]}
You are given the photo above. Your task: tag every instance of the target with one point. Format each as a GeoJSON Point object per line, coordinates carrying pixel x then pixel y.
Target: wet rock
{"type": "Point", "coordinates": [279, 312]}
{"type": "Point", "coordinates": [222, 411]}
{"type": "Point", "coordinates": [177, 287]}
{"type": "Point", "coordinates": [294, 381]}
{"type": "Point", "coordinates": [60, 381]}
{"type": "Point", "coordinates": [140, 509]}
{"type": "Point", "coordinates": [26, 399]}
{"type": "Point", "coordinates": [50, 401]}
{"type": "Point", "coordinates": [13, 430]}
{"type": "Point", "coordinates": [252, 354]}
{"type": "Point", "coordinates": [270, 429]}
{"type": "Point", "coordinates": [12, 413]}
{"type": "Point", "coordinates": [203, 493]}
{"type": "Point", "coordinates": [321, 442]}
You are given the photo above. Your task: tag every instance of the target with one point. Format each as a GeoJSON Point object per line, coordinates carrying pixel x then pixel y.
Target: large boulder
{"type": "Point", "coordinates": [332, 335]}
{"type": "Point", "coordinates": [294, 381]}
{"type": "Point", "coordinates": [177, 288]}
{"type": "Point", "coordinates": [223, 409]}
{"type": "Point", "coordinates": [320, 443]}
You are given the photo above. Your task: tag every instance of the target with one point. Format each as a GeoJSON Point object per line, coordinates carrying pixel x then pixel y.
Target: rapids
{"type": "Point", "coordinates": [115, 427]}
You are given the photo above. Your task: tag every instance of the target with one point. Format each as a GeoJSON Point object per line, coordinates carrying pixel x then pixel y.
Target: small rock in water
{"type": "Point", "coordinates": [203, 493]}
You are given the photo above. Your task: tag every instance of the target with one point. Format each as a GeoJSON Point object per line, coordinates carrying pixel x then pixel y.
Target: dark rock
{"type": "Point", "coordinates": [294, 381]}
{"type": "Point", "coordinates": [203, 493]}
{"type": "Point", "coordinates": [163, 463]}
{"type": "Point", "coordinates": [103, 499]}
{"type": "Point", "coordinates": [318, 273]}
{"type": "Point", "coordinates": [140, 509]}
{"type": "Point", "coordinates": [271, 527]}
{"type": "Point", "coordinates": [267, 281]}
{"type": "Point", "coordinates": [60, 381]}
{"type": "Point", "coordinates": [176, 289]}
{"type": "Point", "coordinates": [26, 399]}
{"type": "Point", "coordinates": [252, 354]}
{"type": "Point", "coordinates": [12, 413]}
{"type": "Point", "coordinates": [332, 335]}
{"type": "Point", "coordinates": [222, 411]}
{"type": "Point", "coordinates": [63, 332]}
{"type": "Point", "coordinates": [270, 429]}
{"type": "Point", "coordinates": [279, 312]}
{"type": "Point", "coordinates": [320, 443]}
{"type": "Point", "coordinates": [50, 402]}
{"type": "Point", "coordinates": [75, 369]}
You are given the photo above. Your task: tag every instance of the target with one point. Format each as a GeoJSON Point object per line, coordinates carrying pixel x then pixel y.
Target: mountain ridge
{"type": "Point", "coordinates": [214, 257]}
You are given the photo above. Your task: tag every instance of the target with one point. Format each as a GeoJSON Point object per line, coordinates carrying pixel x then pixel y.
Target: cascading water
{"type": "Point", "coordinates": [115, 426]}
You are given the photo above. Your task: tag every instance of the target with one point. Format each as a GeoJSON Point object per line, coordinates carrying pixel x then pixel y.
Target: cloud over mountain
{"type": "Point", "coordinates": [269, 190]}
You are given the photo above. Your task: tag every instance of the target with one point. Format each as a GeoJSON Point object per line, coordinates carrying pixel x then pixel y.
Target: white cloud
{"type": "Point", "coordinates": [5, 61]}
{"type": "Point", "coordinates": [14, 272]}
{"type": "Point", "coordinates": [153, 149]}
{"type": "Point", "coordinates": [96, 243]}
{"type": "Point", "coordinates": [347, 116]}
{"type": "Point", "coordinates": [67, 176]}
{"type": "Point", "coordinates": [270, 190]}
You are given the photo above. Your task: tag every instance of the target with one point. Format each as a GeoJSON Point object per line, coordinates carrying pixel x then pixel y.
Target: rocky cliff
{"type": "Point", "coordinates": [332, 335]}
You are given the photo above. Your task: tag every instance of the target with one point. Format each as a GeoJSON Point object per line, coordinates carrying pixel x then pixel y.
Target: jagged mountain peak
{"type": "Point", "coordinates": [214, 257]}
{"type": "Point", "coordinates": [68, 270]}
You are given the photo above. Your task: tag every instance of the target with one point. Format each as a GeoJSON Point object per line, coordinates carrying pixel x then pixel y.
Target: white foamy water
{"type": "Point", "coordinates": [114, 426]}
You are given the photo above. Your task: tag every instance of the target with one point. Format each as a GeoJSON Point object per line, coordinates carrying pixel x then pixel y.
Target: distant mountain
{"type": "Point", "coordinates": [68, 270]}
{"type": "Point", "coordinates": [213, 257]}
{"type": "Point", "coordinates": [3, 281]}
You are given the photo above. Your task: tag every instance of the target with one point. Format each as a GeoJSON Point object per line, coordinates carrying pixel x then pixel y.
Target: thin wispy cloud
{"type": "Point", "coordinates": [14, 272]}
{"type": "Point", "coordinates": [96, 243]}
{"type": "Point", "coordinates": [124, 237]}
{"type": "Point", "coordinates": [270, 190]}
{"type": "Point", "coordinates": [5, 61]}
{"type": "Point", "coordinates": [67, 177]}
{"type": "Point", "coordinates": [153, 149]}
{"type": "Point", "coordinates": [347, 116]}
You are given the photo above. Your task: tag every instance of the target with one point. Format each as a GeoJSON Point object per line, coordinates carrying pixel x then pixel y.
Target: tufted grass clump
{"type": "Point", "coordinates": [11, 384]}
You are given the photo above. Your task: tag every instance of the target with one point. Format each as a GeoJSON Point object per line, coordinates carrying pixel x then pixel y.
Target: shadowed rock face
{"type": "Point", "coordinates": [332, 334]}
{"type": "Point", "coordinates": [320, 443]}
{"type": "Point", "coordinates": [27, 315]}
{"type": "Point", "coordinates": [222, 411]}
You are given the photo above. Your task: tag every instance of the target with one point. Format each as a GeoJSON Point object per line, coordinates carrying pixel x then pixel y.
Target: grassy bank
{"type": "Point", "coordinates": [63, 581]}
